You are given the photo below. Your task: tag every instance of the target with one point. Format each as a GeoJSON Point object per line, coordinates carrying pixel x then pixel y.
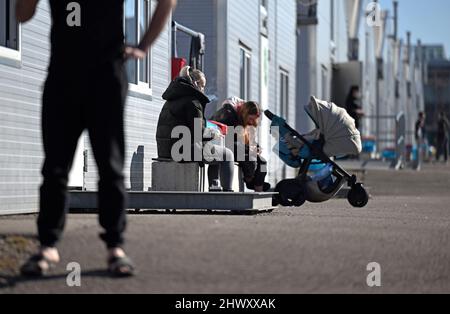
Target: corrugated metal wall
{"type": "Point", "coordinates": [20, 98]}
{"type": "Point", "coordinates": [141, 118]}
{"type": "Point", "coordinates": [243, 15]}
{"type": "Point", "coordinates": [283, 46]}
{"type": "Point", "coordinates": [21, 153]}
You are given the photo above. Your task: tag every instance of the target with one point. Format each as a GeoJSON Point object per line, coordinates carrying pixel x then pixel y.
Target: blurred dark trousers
{"type": "Point", "coordinates": [255, 169]}
{"type": "Point", "coordinates": [74, 102]}
{"type": "Point", "coordinates": [442, 149]}
{"type": "Point", "coordinates": [222, 168]}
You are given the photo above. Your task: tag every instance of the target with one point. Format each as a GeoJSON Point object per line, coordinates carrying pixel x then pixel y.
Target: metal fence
{"type": "Point", "coordinates": [394, 138]}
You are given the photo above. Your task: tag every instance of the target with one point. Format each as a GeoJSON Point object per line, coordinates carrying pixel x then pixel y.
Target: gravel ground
{"type": "Point", "coordinates": [14, 250]}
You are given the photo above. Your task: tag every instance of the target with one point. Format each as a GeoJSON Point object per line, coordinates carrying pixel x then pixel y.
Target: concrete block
{"type": "Point", "coordinates": [176, 177]}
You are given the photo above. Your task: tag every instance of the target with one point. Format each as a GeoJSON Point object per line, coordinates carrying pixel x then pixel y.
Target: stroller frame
{"type": "Point", "coordinates": [357, 197]}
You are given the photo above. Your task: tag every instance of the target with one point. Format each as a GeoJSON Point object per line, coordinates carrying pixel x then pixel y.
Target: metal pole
{"type": "Point", "coordinates": [174, 40]}
{"type": "Point", "coordinates": [396, 56]}
{"type": "Point", "coordinates": [395, 19]}
{"type": "Point", "coordinates": [377, 97]}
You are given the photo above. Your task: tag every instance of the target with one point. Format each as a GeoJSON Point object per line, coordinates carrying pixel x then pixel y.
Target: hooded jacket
{"type": "Point", "coordinates": [184, 104]}
{"type": "Point", "coordinates": [228, 113]}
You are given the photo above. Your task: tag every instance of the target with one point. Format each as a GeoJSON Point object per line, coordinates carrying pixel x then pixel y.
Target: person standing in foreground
{"type": "Point", "coordinates": [86, 88]}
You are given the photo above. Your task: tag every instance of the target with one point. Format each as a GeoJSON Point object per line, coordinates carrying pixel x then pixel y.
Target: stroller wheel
{"type": "Point", "coordinates": [358, 196]}
{"type": "Point", "coordinates": [275, 201]}
{"type": "Point", "coordinates": [290, 193]}
{"type": "Point", "coordinates": [300, 201]}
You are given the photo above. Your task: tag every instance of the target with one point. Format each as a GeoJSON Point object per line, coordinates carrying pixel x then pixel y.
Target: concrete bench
{"type": "Point", "coordinates": [170, 176]}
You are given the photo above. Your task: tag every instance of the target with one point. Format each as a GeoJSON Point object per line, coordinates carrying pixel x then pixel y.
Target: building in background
{"type": "Point", "coordinates": [275, 52]}
{"type": "Point", "coordinates": [437, 86]}
{"type": "Point", "coordinates": [322, 42]}
{"type": "Point", "coordinates": [432, 52]}
{"type": "Point", "coordinates": [338, 46]}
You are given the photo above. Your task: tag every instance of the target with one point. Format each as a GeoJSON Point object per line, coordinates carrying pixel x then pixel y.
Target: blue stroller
{"type": "Point", "coordinates": [319, 178]}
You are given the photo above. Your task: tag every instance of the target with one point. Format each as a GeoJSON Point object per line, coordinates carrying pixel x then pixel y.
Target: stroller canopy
{"type": "Point", "coordinates": [341, 135]}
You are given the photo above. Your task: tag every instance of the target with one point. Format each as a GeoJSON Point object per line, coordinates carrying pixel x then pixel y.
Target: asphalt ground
{"type": "Point", "coordinates": [318, 248]}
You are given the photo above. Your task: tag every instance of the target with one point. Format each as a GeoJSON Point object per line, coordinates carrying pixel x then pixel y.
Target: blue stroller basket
{"type": "Point", "coordinates": [319, 178]}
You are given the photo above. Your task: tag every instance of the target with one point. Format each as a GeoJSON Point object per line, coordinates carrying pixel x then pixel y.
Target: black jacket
{"type": "Point", "coordinates": [352, 107]}
{"type": "Point", "coordinates": [229, 116]}
{"type": "Point", "coordinates": [184, 103]}
{"type": "Point", "coordinates": [443, 128]}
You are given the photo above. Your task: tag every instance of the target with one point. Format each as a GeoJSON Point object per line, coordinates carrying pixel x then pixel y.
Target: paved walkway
{"type": "Point", "coordinates": [319, 248]}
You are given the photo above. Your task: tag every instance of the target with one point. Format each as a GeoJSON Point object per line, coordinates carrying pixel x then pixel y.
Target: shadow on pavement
{"type": "Point", "coordinates": [180, 212]}
{"type": "Point", "coordinates": [8, 281]}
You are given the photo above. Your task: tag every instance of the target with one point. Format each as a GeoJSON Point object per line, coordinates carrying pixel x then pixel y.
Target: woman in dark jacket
{"type": "Point", "coordinates": [237, 113]}
{"type": "Point", "coordinates": [185, 106]}
{"type": "Point", "coordinates": [353, 107]}
{"type": "Point", "coordinates": [442, 137]}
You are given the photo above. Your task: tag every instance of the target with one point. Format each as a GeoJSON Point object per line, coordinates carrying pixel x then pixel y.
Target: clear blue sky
{"type": "Point", "coordinates": [428, 20]}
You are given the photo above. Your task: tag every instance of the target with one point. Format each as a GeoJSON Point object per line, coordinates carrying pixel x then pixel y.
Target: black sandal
{"type": "Point", "coordinates": [116, 266]}
{"type": "Point", "coordinates": [32, 267]}
{"type": "Point", "coordinates": [251, 186]}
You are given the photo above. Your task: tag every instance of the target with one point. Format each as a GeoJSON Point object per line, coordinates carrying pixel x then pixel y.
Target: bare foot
{"type": "Point", "coordinates": [51, 255]}
{"type": "Point", "coordinates": [116, 252]}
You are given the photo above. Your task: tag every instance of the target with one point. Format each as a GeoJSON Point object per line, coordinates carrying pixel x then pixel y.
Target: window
{"type": "Point", "coordinates": [284, 94]}
{"type": "Point", "coordinates": [9, 34]}
{"type": "Point", "coordinates": [307, 12]}
{"type": "Point", "coordinates": [245, 67]}
{"type": "Point", "coordinates": [9, 28]}
{"type": "Point", "coordinates": [312, 9]}
{"type": "Point", "coordinates": [264, 12]}
{"type": "Point", "coordinates": [137, 16]}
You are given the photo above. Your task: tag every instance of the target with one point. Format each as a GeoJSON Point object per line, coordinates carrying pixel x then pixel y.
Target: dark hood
{"type": "Point", "coordinates": [182, 88]}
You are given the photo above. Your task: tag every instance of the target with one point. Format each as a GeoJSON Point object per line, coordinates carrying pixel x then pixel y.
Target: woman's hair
{"type": "Point", "coordinates": [353, 89]}
{"type": "Point", "coordinates": [350, 97]}
{"type": "Point", "coordinates": [192, 75]}
{"type": "Point", "coordinates": [247, 109]}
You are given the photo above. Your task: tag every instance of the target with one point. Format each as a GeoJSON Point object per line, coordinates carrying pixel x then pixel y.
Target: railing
{"type": "Point", "coordinates": [197, 57]}
{"type": "Point", "coordinates": [307, 12]}
{"type": "Point", "coordinates": [396, 137]}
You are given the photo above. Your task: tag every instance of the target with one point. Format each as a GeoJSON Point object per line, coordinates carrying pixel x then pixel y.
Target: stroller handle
{"type": "Point", "coordinates": [269, 114]}
{"type": "Point", "coordinates": [286, 126]}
